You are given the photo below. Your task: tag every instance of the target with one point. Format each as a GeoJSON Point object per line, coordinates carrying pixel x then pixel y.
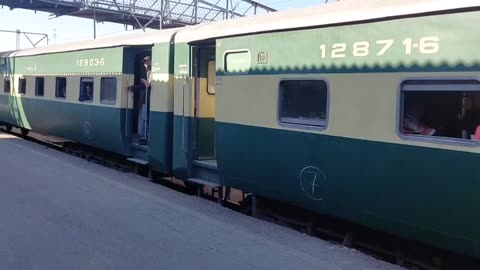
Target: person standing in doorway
{"type": "Point", "coordinates": [143, 101]}
{"type": "Point", "coordinates": [145, 108]}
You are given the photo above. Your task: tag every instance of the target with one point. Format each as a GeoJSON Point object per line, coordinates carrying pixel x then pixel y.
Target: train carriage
{"type": "Point", "coordinates": [311, 109]}
{"type": "Point", "coordinates": [365, 111]}
{"type": "Point", "coordinates": [4, 79]}
{"type": "Point", "coordinates": [82, 92]}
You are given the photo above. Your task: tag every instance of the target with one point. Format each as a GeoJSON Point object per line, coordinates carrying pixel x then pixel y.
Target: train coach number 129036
{"type": "Point", "coordinates": [424, 45]}
{"type": "Point", "coordinates": [90, 62]}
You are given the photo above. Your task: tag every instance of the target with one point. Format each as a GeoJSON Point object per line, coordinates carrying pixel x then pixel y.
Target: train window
{"type": "Point", "coordinates": [304, 102]}
{"type": "Point", "coordinates": [86, 89]}
{"type": "Point", "coordinates": [39, 86]}
{"type": "Point", "coordinates": [211, 77]}
{"type": "Point", "coordinates": [22, 85]}
{"type": "Point", "coordinates": [448, 109]}
{"type": "Point", "coordinates": [6, 85]}
{"type": "Point", "coordinates": [237, 62]}
{"type": "Point", "coordinates": [60, 87]}
{"type": "Point", "coordinates": [108, 91]}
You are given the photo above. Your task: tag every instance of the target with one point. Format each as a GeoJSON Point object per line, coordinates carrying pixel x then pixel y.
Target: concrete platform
{"type": "Point", "coordinates": [61, 212]}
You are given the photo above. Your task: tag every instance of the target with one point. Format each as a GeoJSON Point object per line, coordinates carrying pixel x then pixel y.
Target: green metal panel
{"type": "Point", "coordinates": [161, 122]}
{"type": "Point", "coordinates": [417, 192]}
{"type": "Point", "coordinates": [161, 141]}
{"type": "Point", "coordinates": [98, 126]}
{"type": "Point", "coordinates": [182, 145]}
{"type": "Point", "coordinates": [107, 60]}
{"type": "Point", "coordinates": [182, 132]}
{"type": "Point", "coordinates": [162, 60]}
{"type": "Point", "coordinates": [182, 56]}
{"type": "Point", "coordinates": [205, 138]}
{"type": "Point", "coordinates": [441, 42]}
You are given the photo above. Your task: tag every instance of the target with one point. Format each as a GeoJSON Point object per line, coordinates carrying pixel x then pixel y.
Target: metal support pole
{"type": "Point", "coordinates": [196, 11]}
{"type": "Point", "coordinates": [162, 10]}
{"type": "Point", "coordinates": [226, 12]}
{"type": "Point", "coordinates": [94, 24]}
{"type": "Point", "coordinates": [18, 40]}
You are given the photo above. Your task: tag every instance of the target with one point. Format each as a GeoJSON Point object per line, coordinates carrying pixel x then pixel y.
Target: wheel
{"type": "Point", "coordinates": [8, 127]}
{"type": "Point", "coordinates": [25, 132]}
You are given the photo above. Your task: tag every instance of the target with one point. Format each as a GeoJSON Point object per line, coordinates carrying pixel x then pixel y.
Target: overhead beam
{"type": "Point", "coordinates": [145, 13]}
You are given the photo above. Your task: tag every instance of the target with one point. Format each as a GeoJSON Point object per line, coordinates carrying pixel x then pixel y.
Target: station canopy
{"type": "Point", "coordinates": [157, 14]}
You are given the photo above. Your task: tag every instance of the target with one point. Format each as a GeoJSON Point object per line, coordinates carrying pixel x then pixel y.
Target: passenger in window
{"type": "Point", "coordinates": [469, 116]}
{"type": "Point", "coordinates": [87, 93]}
{"type": "Point", "coordinates": [412, 121]}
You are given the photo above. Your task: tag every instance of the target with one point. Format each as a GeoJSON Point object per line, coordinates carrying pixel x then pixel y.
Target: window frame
{"type": "Point", "coordinates": [56, 87]}
{"type": "Point", "coordinates": [116, 92]}
{"type": "Point", "coordinates": [20, 79]}
{"type": "Point", "coordinates": [5, 84]}
{"type": "Point", "coordinates": [208, 78]}
{"type": "Point", "coordinates": [423, 138]}
{"type": "Point", "coordinates": [80, 89]}
{"type": "Point", "coordinates": [225, 53]}
{"type": "Point", "coordinates": [300, 125]}
{"type": "Point", "coordinates": [36, 87]}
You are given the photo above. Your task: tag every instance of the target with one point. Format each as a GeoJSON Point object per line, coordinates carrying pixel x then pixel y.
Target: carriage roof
{"type": "Point", "coordinates": [128, 39]}
{"type": "Point", "coordinates": [349, 11]}
{"type": "Point", "coordinates": [344, 12]}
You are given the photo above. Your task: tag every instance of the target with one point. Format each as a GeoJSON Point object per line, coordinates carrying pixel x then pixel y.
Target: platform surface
{"type": "Point", "coordinates": [61, 212]}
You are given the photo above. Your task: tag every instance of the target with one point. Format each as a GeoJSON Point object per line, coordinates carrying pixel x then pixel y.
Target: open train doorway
{"type": "Point", "coordinates": [141, 98]}
{"type": "Point", "coordinates": [204, 122]}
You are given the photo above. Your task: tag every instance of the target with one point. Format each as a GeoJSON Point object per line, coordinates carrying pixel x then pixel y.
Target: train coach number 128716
{"type": "Point", "coordinates": [425, 45]}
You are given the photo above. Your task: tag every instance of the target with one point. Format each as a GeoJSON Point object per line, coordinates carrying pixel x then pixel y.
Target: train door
{"type": "Point", "coordinates": [141, 98]}
{"type": "Point", "coordinates": [204, 111]}
{"type": "Point", "coordinates": [136, 65]}
{"type": "Point", "coordinates": [204, 164]}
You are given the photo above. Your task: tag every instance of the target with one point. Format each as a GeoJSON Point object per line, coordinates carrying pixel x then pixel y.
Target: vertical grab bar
{"type": "Point", "coordinates": [183, 116]}
{"type": "Point", "coordinates": [126, 111]}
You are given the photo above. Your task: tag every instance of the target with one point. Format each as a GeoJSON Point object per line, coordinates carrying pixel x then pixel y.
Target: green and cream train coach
{"type": "Point", "coordinates": [82, 92]}
{"type": "Point", "coordinates": [365, 110]}
{"type": "Point", "coordinates": [368, 111]}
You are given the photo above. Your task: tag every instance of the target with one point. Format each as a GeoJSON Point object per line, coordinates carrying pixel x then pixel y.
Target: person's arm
{"type": "Point", "coordinates": [145, 83]}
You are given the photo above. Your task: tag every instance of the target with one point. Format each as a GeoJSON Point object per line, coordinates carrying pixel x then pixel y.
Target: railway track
{"type": "Point", "coordinates": [405, 253]}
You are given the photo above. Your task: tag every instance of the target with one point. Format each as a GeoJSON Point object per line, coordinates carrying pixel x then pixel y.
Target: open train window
{"type": "Point", "coordinates": [22, 85]}
{"type": "Point", "coordinates": [211, 81]}
{"type": "Point", "coordinates": [86, 89]}
{"type": "Point", "coordinates": [39, 86]}
{"type": "Point", "coordinates": [60, 87]}
{"type": "Point", "coordinates": [6, 85]}
{"type": "Point", "coordinates": [448, 109]}
{"type": "Point", "coordinates": [108, 91]}
{"type": "Point", "coordinates": [304, 102]}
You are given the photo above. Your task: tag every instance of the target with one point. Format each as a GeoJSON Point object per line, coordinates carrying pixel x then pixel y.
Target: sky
{"type": "Point", "coordinates": [65, 29]}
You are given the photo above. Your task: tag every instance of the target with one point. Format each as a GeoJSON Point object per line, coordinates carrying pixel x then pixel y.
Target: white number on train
{"type": "Point", "coordinates": [338, 50]}
{"type": "Point", "coordinates": [90, 62]}
{"type": "Point", "coordinates": [360, 48]}
{"type": "Point", "coordinates": [387, 43]}
{"type": "Point", "coordinates": [425, 45]}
